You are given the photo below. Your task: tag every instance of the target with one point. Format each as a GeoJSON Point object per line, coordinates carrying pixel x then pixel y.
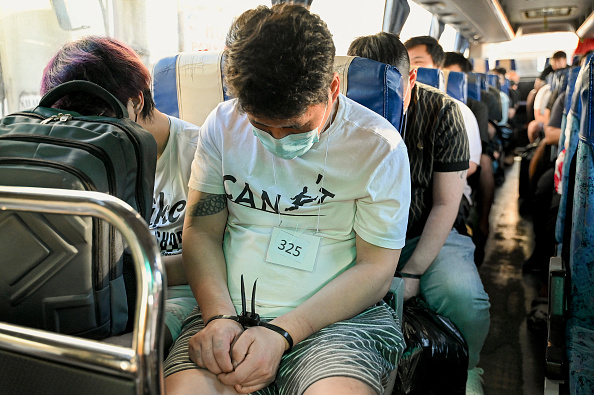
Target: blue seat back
{"type": "Point", "coordinates": [570, 131]}
{"type": "Point", "coordinates": [493, 80]}
{"type": "Point", "coordinates": [457, 85]}
{"type": "Point", "coordinates": [569, 141]}
{"type": "Point", "coordinates": [581, 263]}
{"type": "Point", "coordinates": [571, 79]}
{"type": "Point", "coordinates": [474, 86]}
{"type": "Point", "coordinates": [569, 90]}
{"type": "Point", "coordinates": [505, 87]}
{"type": "Point", "coordinates": [483, 81]}
{"type": "Point", "coordinates": [560, 80]}
{"type": "Point", "coordinates": [190, 85]}
{"type": "Point", "coordinates": [431, 77]}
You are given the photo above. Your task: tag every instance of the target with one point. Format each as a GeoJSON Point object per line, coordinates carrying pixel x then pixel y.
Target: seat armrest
{"type": "Point", "coordinates": [555, 351]}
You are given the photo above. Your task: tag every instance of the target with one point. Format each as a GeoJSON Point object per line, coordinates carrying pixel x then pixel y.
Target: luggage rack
{"type": "Point", "coordinates": [36, 361]}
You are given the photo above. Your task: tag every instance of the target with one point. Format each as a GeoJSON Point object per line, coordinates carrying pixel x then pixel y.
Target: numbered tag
{"type": "Point", "coordinates": [296, 251]}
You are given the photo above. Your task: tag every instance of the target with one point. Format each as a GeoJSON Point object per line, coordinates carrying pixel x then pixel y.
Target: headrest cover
{"type": "Point", "coordinates": [457, 85]}
{"type": "Point", "coordinates": [493, 80]}
{"type": "Point", "coordinates": [571, 80]}
{"type": "Point", "coordinates": [197, 81]}
{"type": "Point", "coordinates": [474, 86]}
{"type": "Point", "coordinates": [431, 77]}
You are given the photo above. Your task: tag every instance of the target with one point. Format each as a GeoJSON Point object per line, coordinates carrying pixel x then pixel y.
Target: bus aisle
{"type": "Point", "coordinates": [513, 355]}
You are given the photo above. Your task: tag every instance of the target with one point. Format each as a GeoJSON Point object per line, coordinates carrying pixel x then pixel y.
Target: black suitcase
{"type": "Point", "coordinates": [65, 273]}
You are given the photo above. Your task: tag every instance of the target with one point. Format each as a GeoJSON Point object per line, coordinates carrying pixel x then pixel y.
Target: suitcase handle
{"type": "Point", "coordinates": [55, 94]}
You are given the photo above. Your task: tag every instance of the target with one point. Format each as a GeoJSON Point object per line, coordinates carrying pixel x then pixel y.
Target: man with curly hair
{"type": "Point", "coordinates": [302, 189]}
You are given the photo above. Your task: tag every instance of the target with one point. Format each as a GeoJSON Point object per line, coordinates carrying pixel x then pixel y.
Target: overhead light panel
{"type": "Point", "coordinates": [539, 13]}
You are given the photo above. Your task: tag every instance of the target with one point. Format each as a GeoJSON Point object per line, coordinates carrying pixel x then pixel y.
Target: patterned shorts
{"type": "Point", "coordinates": [179, 305]}
{"type": "Point", "coordinates": [366, 347]}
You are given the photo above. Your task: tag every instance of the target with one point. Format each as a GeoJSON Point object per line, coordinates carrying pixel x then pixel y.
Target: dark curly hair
{"type": "Point", "coordinates": [105, 61]}
{"type": "Point", "coordinates": [433, 48]}
{"type": "Point", "coordinates": [281, 64]}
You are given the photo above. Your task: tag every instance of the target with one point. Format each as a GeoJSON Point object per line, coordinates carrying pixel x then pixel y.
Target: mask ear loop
{"type": "Point", "coordinates": [280, 221]}
{"type": "Point", "coordinates": [324, 170]}
{"type": "Point", "coordinates": [323, 174]}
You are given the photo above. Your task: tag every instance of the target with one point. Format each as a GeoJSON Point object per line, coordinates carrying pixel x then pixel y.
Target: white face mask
{"type": "Point", "coordinates": [292, 145]}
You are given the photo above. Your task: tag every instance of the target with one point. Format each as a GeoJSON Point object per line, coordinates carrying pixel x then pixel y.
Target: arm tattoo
{"type": "Point", "coordinates": [208, 205]}
{"type": "Point", "coordinates": [462, 174]}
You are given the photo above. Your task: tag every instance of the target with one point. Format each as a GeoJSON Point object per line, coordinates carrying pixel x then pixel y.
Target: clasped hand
{"type": "Point", "coordinates": [244, 359]}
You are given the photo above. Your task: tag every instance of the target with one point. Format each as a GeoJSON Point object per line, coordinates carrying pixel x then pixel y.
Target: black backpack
{"type": "Point", "coordinates": [64, 273]}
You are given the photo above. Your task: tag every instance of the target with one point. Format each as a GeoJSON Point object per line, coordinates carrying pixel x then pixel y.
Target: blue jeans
{"type": "Point", "coordinates": [452, 288]}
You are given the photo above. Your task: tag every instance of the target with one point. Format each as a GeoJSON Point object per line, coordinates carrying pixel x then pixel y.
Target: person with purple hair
{"type": "Point", "coordinates": [116, 67]}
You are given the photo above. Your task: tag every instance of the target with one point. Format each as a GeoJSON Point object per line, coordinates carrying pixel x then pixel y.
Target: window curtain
{"type": "Point", "coordinates": [437, 28]}
{"type": "Point", "coordinates": [396, 13]}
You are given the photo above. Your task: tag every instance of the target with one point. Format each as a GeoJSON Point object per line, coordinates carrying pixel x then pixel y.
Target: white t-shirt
{"type": "Point", "coordinates": [171, 185]}
{"type": "Point", "coordinates": [474, 140]}
{"type": "Point", "coordinates": [358, 170]}
{"type": "Point", "coordinates": [541, 99]}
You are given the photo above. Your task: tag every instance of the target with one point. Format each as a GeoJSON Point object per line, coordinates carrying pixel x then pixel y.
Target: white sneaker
{"type": "Point", "coordinates": [474, 382]}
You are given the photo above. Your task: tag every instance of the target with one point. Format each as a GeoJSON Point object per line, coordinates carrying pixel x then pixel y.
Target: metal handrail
{"type": "Point", "coordinates": [143, 362]}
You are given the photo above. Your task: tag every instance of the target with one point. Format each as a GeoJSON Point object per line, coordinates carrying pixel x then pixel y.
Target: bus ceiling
{"type": "Point", "coordinates": [491, 21]}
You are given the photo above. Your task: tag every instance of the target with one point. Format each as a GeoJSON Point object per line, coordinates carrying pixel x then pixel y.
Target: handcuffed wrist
{"type": "Point", "coordinates": [281, 332]}
{"type": "Point", "coordinates": [224, 317]}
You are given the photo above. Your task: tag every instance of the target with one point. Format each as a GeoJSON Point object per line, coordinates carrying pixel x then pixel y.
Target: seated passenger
{"type": "Point", "coordinates": [425, 51]}
{"type": "Point", "coordinates": [485, 192]}
{"type": "Point", "coordinates": [542, 102]}
{"type": "Point", "coordinates": [436, 261]}
{"type": "Point", "coordinates": [544, 204]}
{"type": "Point", "coordinates": [506, 107]}
{"type": "Point", "coordinates": [117, 68]}
{"type": "Point", "coordinates": [308, 192]}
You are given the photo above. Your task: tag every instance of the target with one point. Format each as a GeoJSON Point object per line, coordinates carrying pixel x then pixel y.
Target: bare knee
{"type": "Point", "coordinates": [340, 385]}
{"type": "Point", "coordinates": [196, 381]}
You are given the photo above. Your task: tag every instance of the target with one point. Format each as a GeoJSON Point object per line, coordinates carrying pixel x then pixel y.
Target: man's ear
{"type": "Point", "coordinates": [335, 86]}
{"type": "Point", "coordinates": [138, 103]}
{"type": "Point", "coordinates": [412, 78]}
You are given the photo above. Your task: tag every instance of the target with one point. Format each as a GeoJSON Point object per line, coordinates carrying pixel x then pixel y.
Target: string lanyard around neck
{"type": "Point", "coordinates": [321, 188]}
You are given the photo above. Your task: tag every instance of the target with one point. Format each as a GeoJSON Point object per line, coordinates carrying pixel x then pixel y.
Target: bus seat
{"type": "Point", "coordinates": [456, 85]}
{"type": "Point", "coordinates": [569, 89]}
{"type": "Point", "coordinates": [580, 325]}
{"type": "Point", "coordinates": [493, 81]}
{"type": "Point", "coordinates": [190, 85]}
{"type": "Point", "coordinates": [474, 86]}
{"type": "Point", "coordinates": [569, 137]}
{"type": "Point", "coordinates": [431, 77]}
{"type": "Point", "coordinates": [35, 361]}
{"type": "Point", "coordinates": [505, 86]}
{"type": "Point", "coordinates": [483, 81]}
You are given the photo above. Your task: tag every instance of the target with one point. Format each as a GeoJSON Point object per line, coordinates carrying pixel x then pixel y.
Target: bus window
{"type": "Point", "coordinates": [30, 33]}
{"type": "Point", "coordinates": [351, 21]}
{"type": "Point", "coordinates": [530, 51]}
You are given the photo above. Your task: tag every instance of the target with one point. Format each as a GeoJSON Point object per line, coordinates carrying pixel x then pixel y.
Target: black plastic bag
{"type": "Point", "coordinates": [435, 360]}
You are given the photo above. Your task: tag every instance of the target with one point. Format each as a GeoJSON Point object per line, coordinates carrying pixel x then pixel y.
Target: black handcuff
{"type": "Point", "coordinates": [251, 318]}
